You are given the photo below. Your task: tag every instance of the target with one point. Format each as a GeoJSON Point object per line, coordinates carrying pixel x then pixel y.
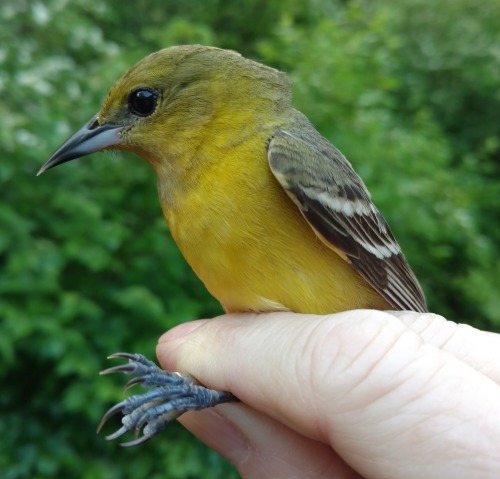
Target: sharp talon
{"type": "Point", "coordinates": [130, 356]}
{"type": "Point", "coordinates": [126, 368]}
{"type": "Point", "coordinates": [140, 424]}
{"type": "Point", "coordinates": [116, 434]}
{"type": "Point", "coordinates": [136, 442]}
{"type": "Point", "coordinates": [132, 382]}
{"type": "Point", "coordinates": [110, 413]}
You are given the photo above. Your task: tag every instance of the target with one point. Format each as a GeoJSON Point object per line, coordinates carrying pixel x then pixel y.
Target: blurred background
{"type": "Point", "coordinates": [408, 90]}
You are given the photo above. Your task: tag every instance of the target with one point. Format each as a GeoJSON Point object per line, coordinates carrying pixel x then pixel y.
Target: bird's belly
{"type": "Point", "coordinates": [267, 259]}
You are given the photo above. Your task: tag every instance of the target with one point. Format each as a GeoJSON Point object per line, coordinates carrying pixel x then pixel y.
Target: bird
{"type": "Point", "coordinates": [266, 211]}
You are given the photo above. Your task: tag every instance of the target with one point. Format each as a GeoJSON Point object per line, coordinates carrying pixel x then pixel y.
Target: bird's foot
{"type": "Point", "coordinates": [171, 396]}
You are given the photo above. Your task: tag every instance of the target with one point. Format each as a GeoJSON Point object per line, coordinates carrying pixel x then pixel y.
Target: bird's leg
{"type": "Point", "coordinates": [171, 395]}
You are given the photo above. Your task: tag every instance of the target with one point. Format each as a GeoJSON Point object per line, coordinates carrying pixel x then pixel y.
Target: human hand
{"type": "Point", "coordinates": [357, 394]}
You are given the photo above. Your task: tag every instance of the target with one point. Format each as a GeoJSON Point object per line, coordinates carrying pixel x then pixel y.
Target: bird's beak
{"type": "Point", "coordinates": [90, 138]}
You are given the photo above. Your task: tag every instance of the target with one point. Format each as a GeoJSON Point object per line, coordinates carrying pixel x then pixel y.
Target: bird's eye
{"type": "Point", "coordinates": [142, 102]}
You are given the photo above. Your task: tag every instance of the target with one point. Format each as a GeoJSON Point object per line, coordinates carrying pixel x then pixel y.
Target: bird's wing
{"type": "Point", "coordinates": [337, 205]}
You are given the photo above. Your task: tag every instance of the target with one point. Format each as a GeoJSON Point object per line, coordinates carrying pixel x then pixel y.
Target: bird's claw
{"type": "Point", "coordinates": [171, 395]}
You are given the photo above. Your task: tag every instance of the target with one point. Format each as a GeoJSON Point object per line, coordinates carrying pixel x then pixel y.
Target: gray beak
{"type": "Point", "coordinates": [90, 138]}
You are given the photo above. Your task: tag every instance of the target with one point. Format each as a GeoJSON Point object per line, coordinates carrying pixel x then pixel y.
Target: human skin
{"type": "Point", "coordinates": [355, 394]}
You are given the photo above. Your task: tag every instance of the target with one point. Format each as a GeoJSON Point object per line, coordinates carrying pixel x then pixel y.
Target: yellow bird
{"type": "Point", "coordinates": [268, 213]}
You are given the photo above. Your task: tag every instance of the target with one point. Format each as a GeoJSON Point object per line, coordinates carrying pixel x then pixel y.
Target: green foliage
{"type": "Point", "coordinates": [87, 265]}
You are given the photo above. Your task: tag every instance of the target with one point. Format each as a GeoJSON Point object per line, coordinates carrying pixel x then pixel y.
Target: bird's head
{"type": "Point", "coordinates": [174, 99]}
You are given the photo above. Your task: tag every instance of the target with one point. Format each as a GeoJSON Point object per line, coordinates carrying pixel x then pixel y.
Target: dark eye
{"type": "Point", "coordinates": [142, 102]}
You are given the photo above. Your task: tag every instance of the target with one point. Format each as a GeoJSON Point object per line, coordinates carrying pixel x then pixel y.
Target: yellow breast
{"type": "Point", "coordinates": [251, 246]}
